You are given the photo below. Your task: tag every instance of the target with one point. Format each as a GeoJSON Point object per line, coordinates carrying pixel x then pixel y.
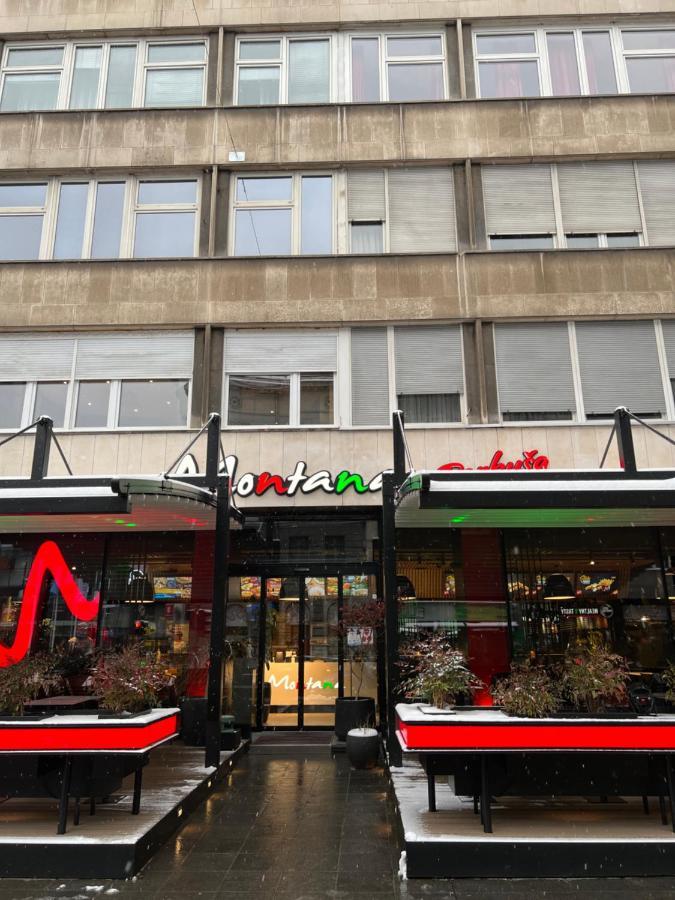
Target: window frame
{"type": "Point", "coordinates": [282, 63]}
{"type": "Point", "coordinates": [385, 60]}
{"type": "Point", "coordinates": [46, 212]}
{"type": "Point", "coordinates": [293, 402]}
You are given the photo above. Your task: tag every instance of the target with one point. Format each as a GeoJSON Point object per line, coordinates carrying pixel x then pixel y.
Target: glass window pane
{"type": "Point", "coordinates": [38, 56]}
{"type": "Point", "coordinates": [262, 232]}
{"type": "Point", "coordinates": [365, 69]}
{"type": "Point", "coordinates": [505, 43]}
{"type": "Point", "coordinates": [174, 87]}
{"type": "Point", "coordinates": [581, 241]}
{"type": "Point", "coordinates": [163, 53]}
{"type": "Point", "coordinates": [50, 400]}
{"type": "Point", "coordinates": [521, 242]}
{"type": "Point", "coordinates": [416, 81]}
{"type": "Point", "coordinates": [509, 79]}
{"type": "Point", "coordinates": [84, 91]}
{"type": "Point", "coordinates": [308, 72]}
{"type": "Point", "coordinates": [367, 237]}
{"type": "Point", "coordinates": [316, 399]}
{"type": "Point", "coordinates": [92, 404]}
{"type": "Point", "coordinates": [649, 40]}
{"type": "Point", "coordinates": [165, 234]}
{"type": "Point", "coordinates": [316, 222]}
{"type": "Point", "coordinates": [258, 400]}
{"type": "Point", "coordinates": [651, 75]}
{"type": "Point", "coordinates": [430, 407]}
{"type": "Point", "coordinates": [70, 221]}
{"type": "Point", "coordinates": [158, 192]}
{"type": "Point", "coordinates": [145, 403]}
{"type": "Point", "coordinates": [259, 86]}
{"type": "Point", "coordinates": [623, 240]}
{"type": "Point", "coordinates": [108, 220]}
{"type": "Point", "coordinates": [119, 91]}
{"type": "Point", "coordinates": [264, 189]}
{"type": "Point", "coordinates": [22, 93]}
{"type": "Point", "coordinates": [599, 62]}
{"type": "Point", "coordinates": [414, 46]}
{"type": "Point", "coordinates": [11, 404]}
{"type": "Point", "coordinates": [260, 50]}
{"type": "Point", "coordinates": [562, 58]}
{"type": "Point", "coordinates": [22, 194]}
{"type": "Point", "coordinates": [20, 237]}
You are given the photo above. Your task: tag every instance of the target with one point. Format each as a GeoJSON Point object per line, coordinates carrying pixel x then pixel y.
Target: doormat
{"type": "Point", "coordinates": [292, 739]}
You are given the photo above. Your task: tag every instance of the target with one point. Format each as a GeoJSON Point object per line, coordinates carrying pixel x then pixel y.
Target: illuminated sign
{"type": "Point", "coordinates": [299, 481]}
{"type": "Point", "coordinates": [47, 559]}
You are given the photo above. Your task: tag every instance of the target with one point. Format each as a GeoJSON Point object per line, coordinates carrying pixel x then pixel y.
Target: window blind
{"type": "Point", "coordinates": [370, 376]}
{"type": "Point", "coordinates": [599, 197]}
{"type": "Point", "coordinates": [35, 356]}
{"type": "Point", "coordinates": [668, 326]}
{"type": "Point", "coordinates": [534, 368]}
{"type": "Point", "coordinates": [657, 186]}
{"type": "Point", "coordinates": [161, 354]}
{"type": "Point", "coordinates": [308, 71]}
{"type": "Point", "coordinates": [174, 87]}
{"type": "Point", "coordinates": [365, 195]}
{"type": "Point", "coordinates": [619, 367]}
{"type": "Point", "coordinates": [429, 359]}
{"type": "Point", "coordinates": [422, 211]}
{"type": "Point", "coordinates": [518, 199]}
{"type": "Point", "coordinates": [281, 351]}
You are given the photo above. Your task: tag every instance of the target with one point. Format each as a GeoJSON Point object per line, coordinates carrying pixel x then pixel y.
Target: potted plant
{"type": "Point", "coordinates": [668, 676]}
{"type": "Point", "coordinates": [359, 627]}
{"type": "Point", "coordinates": [32, 677]}
{"type": "Point", "coordinates": [527, 691]}
{"type": "Point", "coordinates": [593, 678]}
{"type": "Point", "coordinates": [128, 681]}
{"type": "Point", "coordinates": [436, 672]}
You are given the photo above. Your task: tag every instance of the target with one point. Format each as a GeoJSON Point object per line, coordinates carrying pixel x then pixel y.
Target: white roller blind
{"type": "Point", "coordinates": [35, 356]}
{"type": "Point", "coordinates": [280, 351]}
{"type": "Point", "coordinates": [422, 211]}
{"type": "Point", "coordinates": [308, 71]}
{"type": "Point", "coordinates": [599, 196]}
{"type": "Point", "coordinates": [161, 354]}
{"type": "Point", "coordinates": [365, 195]}
{"type": "Point", "coordinates": [174, 87]}
{"type": "Point", "coordinates": [429, 359]}
{"type": "Point", "coordinates": [370, 377]}
{"type": "Point", "coordinates": [518, 199]}
{"type": "Point", "coordinates": [534, 368]}
{"type": "Point", "coordinates": [657, 185]}
{"type": "Point", "coordinates": [619, 367]}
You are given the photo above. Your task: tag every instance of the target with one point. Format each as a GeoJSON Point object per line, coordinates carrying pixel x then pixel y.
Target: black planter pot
{"type": "Point", "coordinates": [193, 721]}
{"type": "Point", "coordinates": [353, 712]}
{"type": "Point", "coordinates": [363, 747]}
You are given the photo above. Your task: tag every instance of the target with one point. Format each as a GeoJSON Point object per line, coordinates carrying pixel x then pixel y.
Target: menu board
{"type": "Point", "coordinates": [595, 584]}
{"type": "Point", "coordinates": [250, 587]}
{"type": "Point", "coordinates": [355, 586]}
{"type": "Point", "coordinates": [172, 587]}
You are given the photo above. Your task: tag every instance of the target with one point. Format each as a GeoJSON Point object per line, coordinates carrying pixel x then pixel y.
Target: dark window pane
{"type": "Point", "coordinates": [50, 400]}
{"type": "Point", "coordinates": [259, 86]}
{"type": "Point", "coordinates": [430, 407]}
{"type": "Point", "coordinates": [20, 237]}
{"type": "Point", "coordinates": [651, 75]}
{"type": "Point", "coordinates": [505, 43]}
{"type": "Point", "coordinates": [414, 46]}
{"type": "Point", "coordinates": [562, 58]}
{"type": "Point", "coordinates": [11, 404]}
{"type": "Point", "coordinates": [623, 240]}
{"type": "Point", "coordinates": [365, 69]}
{"type": "Point", "coordinates": [119, 90]}
{"type": "Point", "coordinates": [258, 400]}
{"type": "Point", "coordinates": [155, 403]}
{"type": "Point", "coordinates": [415, 81]}
{"type": "Point", "coordinates": [70, 221]}
{"type": "Point", "coordinates": [599, 62]}
{"type": "Point", "coordinates": [316, 400]}
{"type": "Point", "coordinates": [541, 416]}
{"type": "Point", "coordinates": [581, 241]}
{"type": "Point", "coordinates": [367, 237]}
{"type": "Point", "coordinates": [262, 232]}
{"type": "Point", "coordinates": [316, 215]}
{"type": "Point", "coordinates": [92, 404]}
{"type": "Point", "coordinates": [521, 242]}
{"type": "Point", "coordinates": [164, 234]}
{"type": "Point", "coordinates": [108, 220]}
{"type": "Point", "coordinates": [509, 79]}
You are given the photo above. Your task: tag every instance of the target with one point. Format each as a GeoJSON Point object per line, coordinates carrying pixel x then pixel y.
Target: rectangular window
{"type": "Point", "coordinates": [50, 400]}
{"type": "Point", "coordinates": [174, 74]}
{"type": "Point", "coordinates": [22, 212]}
{"type": "Point", "coordinates": [70, 220]}
{"type": "Point", "coordinates": [165, 219]}
{"type": "Point", "coordinates": [599, 62]}
{"type": "Point", "coordinates": [11, 404]}
{"type": "Point", "coordinates": [283, 69]}
{"type": "Point", "coordinates": [259, 400]}
{"type": "Point", "coordinates": [93, 398]}
{"type": "Point", "coordinates": [283, 215]}
{"type": "Point", "coordinates": [316, 399]}
{"type": "Point", "coordinates": [31, 78]}
{"type": "Point", "coordinates": [153, 403]}
{"type": "Point", "coordinates": [412, 67]}
{"type": "Point", "coordinates": [429, 372]}
{"type": "Point", "coordinates": [508, 65]}
{"type": "Point", "coordinates": [649, 56]}
{"type": "Point", "coordinates": [582, 241]}
{"type": "Point", "coordinates": [86, 76]}
{"type": "Point", "coordinates": [521, 242]}
{"type": "Point", "coordinates": [438, 408]}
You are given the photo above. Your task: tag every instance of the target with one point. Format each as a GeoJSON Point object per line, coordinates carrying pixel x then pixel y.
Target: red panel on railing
{"type": "Point", "coordinates": [98, 735]}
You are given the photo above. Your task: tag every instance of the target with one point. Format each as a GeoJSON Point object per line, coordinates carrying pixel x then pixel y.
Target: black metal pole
{"type": "Point", "coordinates": [218, 612]}
{"type": "Point", "coordinates": [624, 437]}
{"type": "Point", "coordinates": [390, 483]}
{"type": "Point", "coordinates": [41, 448]}
{"type": "Point", "coordinates": [398, 424]}
{"type": "Point", "coordinates": [212, 451]}
{"type": "Point", "coordinates": [102, 591]}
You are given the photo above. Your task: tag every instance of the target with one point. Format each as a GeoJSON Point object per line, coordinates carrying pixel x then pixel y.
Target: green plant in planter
{"type": "Point", "coordinates": [592, 677]}
{"type": "Point", "coordinates": [435, 671]}
{"type": "Point", "coordinates": [129, 680]}
{"type": "Point", "coordinates": [27, 680]}
{"type": "Point", "coordinates": [528, 691]}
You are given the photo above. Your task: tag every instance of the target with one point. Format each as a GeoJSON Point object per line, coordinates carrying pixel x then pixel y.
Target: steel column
{"type": "Point", "coordinates": [624, 438]}
{"type": "Point", "coordinates": [218, 612]}
{"type": "Point", "coordinates": [41, 448]}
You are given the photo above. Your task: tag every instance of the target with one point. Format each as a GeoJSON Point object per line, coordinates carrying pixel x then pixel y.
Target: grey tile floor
{"type": "Point", "coordinates": [292, 824]}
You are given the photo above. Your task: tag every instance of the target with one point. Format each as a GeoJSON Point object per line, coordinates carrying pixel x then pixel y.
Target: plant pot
{"type": "Point", "coordinates": [363, 747]}
{"type": "Point", "coordinates": [352, 712]}
{"type": "Point", "coordinates": [193, 721]}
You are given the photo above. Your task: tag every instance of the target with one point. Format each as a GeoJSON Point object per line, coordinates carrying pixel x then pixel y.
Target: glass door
{"type": "Point", "coordinates": [319, 653]}
{"type": "Point", "coordinates": [281, 699]}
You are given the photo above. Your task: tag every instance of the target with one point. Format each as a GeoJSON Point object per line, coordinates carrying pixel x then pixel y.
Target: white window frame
{"type": "Point", "coordinates": [293, 402]}
{"type": "Point", "coordinates": [142, 66]}
{"type": "Point", "coordinates": [385, 60]}
{"type": "Point", "coordinates": [46, 211]}
{"type": "Point", "coordinates": [294, 204]}
{"type": "Point", "coordinates": [134, 208]}
{"type": "Point", "coordinates": [282, 61]}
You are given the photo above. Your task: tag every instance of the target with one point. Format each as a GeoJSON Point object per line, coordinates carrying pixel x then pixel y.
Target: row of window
{"type": "Point", "coordinates": [545, 372]}
{"type": "Point", "coordinates": [372, 211]}
{"type": "Point", "coordinates": [368, 66]}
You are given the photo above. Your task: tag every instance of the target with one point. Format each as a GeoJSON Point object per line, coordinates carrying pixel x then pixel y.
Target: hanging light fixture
{"type": "Point", "coordinates": [558, 587]}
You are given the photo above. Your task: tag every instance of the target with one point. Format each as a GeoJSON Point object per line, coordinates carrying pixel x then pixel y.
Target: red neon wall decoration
{"type": "Point", "coordinates": [47, 559]}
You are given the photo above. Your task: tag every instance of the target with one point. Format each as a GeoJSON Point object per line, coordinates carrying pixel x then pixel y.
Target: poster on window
{"type": "Point", "coordinates": [360, 637]}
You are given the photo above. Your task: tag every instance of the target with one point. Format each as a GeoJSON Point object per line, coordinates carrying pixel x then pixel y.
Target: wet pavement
{"type": "Point", "coordinates": [292, 824]}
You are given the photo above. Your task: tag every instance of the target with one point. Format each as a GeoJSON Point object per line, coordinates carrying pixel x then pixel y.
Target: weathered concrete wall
{"type": "Point", "coordinates": [337, 290]}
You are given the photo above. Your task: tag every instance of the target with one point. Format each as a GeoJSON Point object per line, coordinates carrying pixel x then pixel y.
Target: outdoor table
{"type": "Point", "coordinates": [479, 734]}
{"type": "Point", "coordinates": [74, 737]}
